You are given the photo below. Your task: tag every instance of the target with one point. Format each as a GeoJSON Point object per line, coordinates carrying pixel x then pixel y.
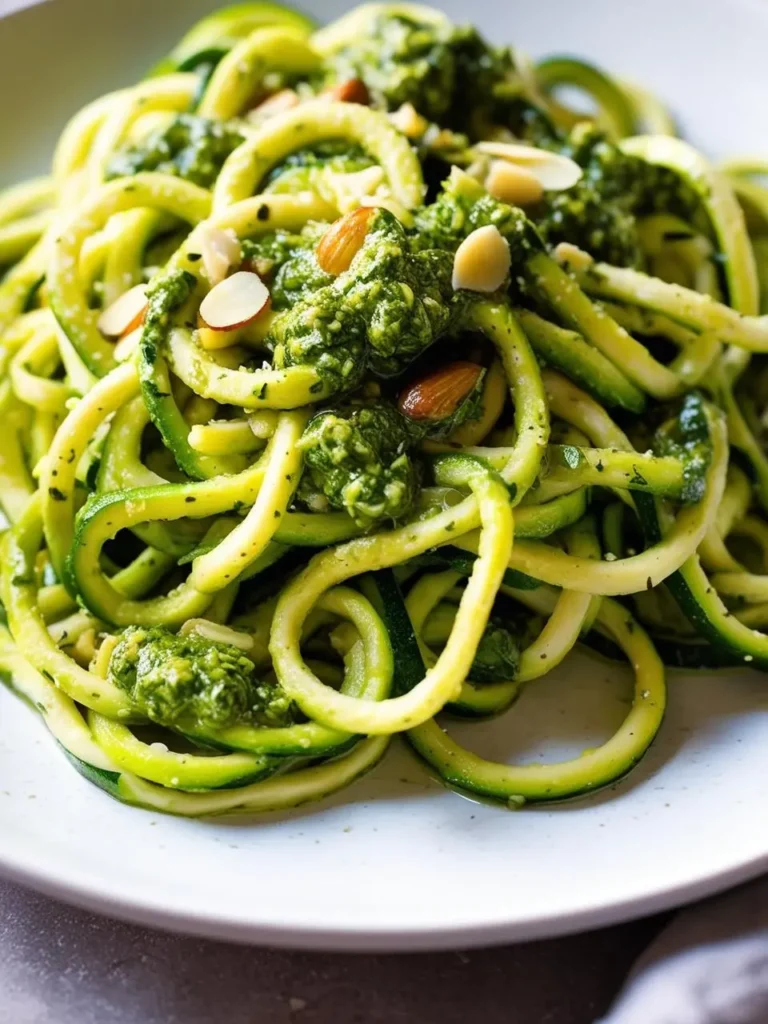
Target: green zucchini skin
{"type": "Point", "coordinates": [456, 768]}
{"type": "Point", "coordinates": [569, 352]}
{"type": "Point", "coordinates": [616, 108]}
{"type": "Point", "coordinates": [678, 654]}
{"type": "Point", "coordinates": [214, 36]}
{"type": "Point", "coordinates": [106, 780]}
{"type": "Point", "coordinates": [699, 602]}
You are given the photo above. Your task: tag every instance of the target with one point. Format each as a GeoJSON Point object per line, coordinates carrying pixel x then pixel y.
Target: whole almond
{"type": "Point", "coordinates": [343, 240]}
{"type": "Point", "coordinates": [440, 393]}
{"type": "Point", "coordinates": [354, 90]}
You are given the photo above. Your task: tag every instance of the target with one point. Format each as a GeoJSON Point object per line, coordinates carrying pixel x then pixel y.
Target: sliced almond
{"type": "Point", "coordinates": [220, 249]}
{"type": "Point", "coordinates": [234, 302]}
{"type": "Point", "coordinates": [409, 121]}
{"type": "Point", "coordinates": [125, 314]}
{"type": "Point", "coordinates": [354, 90]}
{"type": "Point", "coordinates": [343, 240]}
{"type": "Point", "coordinates": [277, 103]}
{"type": "Point", "coordinates": [482, 261]}
{"type": "Point", "coordinates": [554, 171]}
{"type": "Point", "coordinates": [513, 184]}
{"type": "Point", "coordinates": [440, 393]}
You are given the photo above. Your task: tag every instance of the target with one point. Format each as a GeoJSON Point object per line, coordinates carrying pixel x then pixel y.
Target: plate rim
{"type": "Point", "coordinates": [98, 898]}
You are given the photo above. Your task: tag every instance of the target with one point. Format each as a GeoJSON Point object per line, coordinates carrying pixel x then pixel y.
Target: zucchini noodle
{"type": "Point", "coordinates": [319, 423]}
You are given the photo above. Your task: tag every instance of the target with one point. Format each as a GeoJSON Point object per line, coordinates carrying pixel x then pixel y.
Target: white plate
{"type": "Point", "coordinates": [397, 862]}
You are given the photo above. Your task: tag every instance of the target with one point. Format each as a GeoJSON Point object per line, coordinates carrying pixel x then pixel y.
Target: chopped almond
{"type": "Point", "coordinates": [409, 121]}
{"type": "Point", "coordinates": [278, 103]}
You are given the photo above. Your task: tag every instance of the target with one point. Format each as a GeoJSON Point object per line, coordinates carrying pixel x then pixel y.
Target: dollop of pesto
{"type": "Point", "coordinates": [180, 681]}
{"type": "Point", "coordinates": [287, 262]}
{"type": "Point", "coordinates": [359, 458]}
{"type": "Point", "coordinates": [599, 214]}
{"type": "Point", "coordinates": [449, 74]}
{"type": "Point", "coordinates": [686, 437]}
{"type": "Point", "coordinates": [300, 169]}
{"type": "Point", "coordinates": [462, 206]}
{"type": "Point", "coordinates": [191, 147]}
{"type": "Point", "coordinates": [390, 306]}
{"type": "Point", "coordinates": [166, 293]}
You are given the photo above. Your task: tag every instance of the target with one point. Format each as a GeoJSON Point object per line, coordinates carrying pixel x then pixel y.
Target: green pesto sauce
{"type": "Point", "coordinates": [462, 208]}
{"type": "Point", "coordinates": [449, 74]}
{"type": "Point", "coordinates": [497, 658]}
{"type": "Point", "coordinates": [300, 170]}
{"type": "Point", "coordinates": [182, 680]}
{"type": "Point", "coordinates": [287, 262]}
{"type": "Point", "coordinates": [191, 147]}
{"type": "Point", "coordinates": [166, 294]}
{"type": "Point", "coordinates": [358, 457]}
{"type": "Point", "coordinates": [382, 313]}
{"type": "Point", "coordinates": [599, 214]}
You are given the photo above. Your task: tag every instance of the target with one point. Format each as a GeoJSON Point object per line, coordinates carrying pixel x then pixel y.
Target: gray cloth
{"type": "Point", "coordinates": [709, 966]}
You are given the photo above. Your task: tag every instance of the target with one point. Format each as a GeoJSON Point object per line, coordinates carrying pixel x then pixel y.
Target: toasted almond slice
{"type": "Point", "coordinates": [409, 121]}
{"type": "Point", "coordinates": [555, 171]}
{"type": "Point", "coordinates": [343, 240]}
{"type": "Point", "coordinates": [278, 103]}
{"type": "Point", "coordinates": [354, 90]}
{"type": "Point", "coordinates": [513, 184]}
{"type": "Point", "coordinates": [234, 302]}
{"type": "Point", "coordinates": [482, 261]}
{"type": "Point", "coordinates": [220, 249]}
{"type": "Point", "coordinates": [125, 314]}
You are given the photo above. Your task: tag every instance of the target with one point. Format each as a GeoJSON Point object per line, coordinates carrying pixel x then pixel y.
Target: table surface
{"type": "Point", "coordinates": [60, 965]}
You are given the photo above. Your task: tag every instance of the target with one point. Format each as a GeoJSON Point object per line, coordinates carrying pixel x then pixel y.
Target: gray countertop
{"type": "Point", "coordinates": [60, 965]}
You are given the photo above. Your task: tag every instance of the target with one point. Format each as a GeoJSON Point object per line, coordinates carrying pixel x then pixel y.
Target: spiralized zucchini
{"type": "Point", "coordinates": [304, 448]}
